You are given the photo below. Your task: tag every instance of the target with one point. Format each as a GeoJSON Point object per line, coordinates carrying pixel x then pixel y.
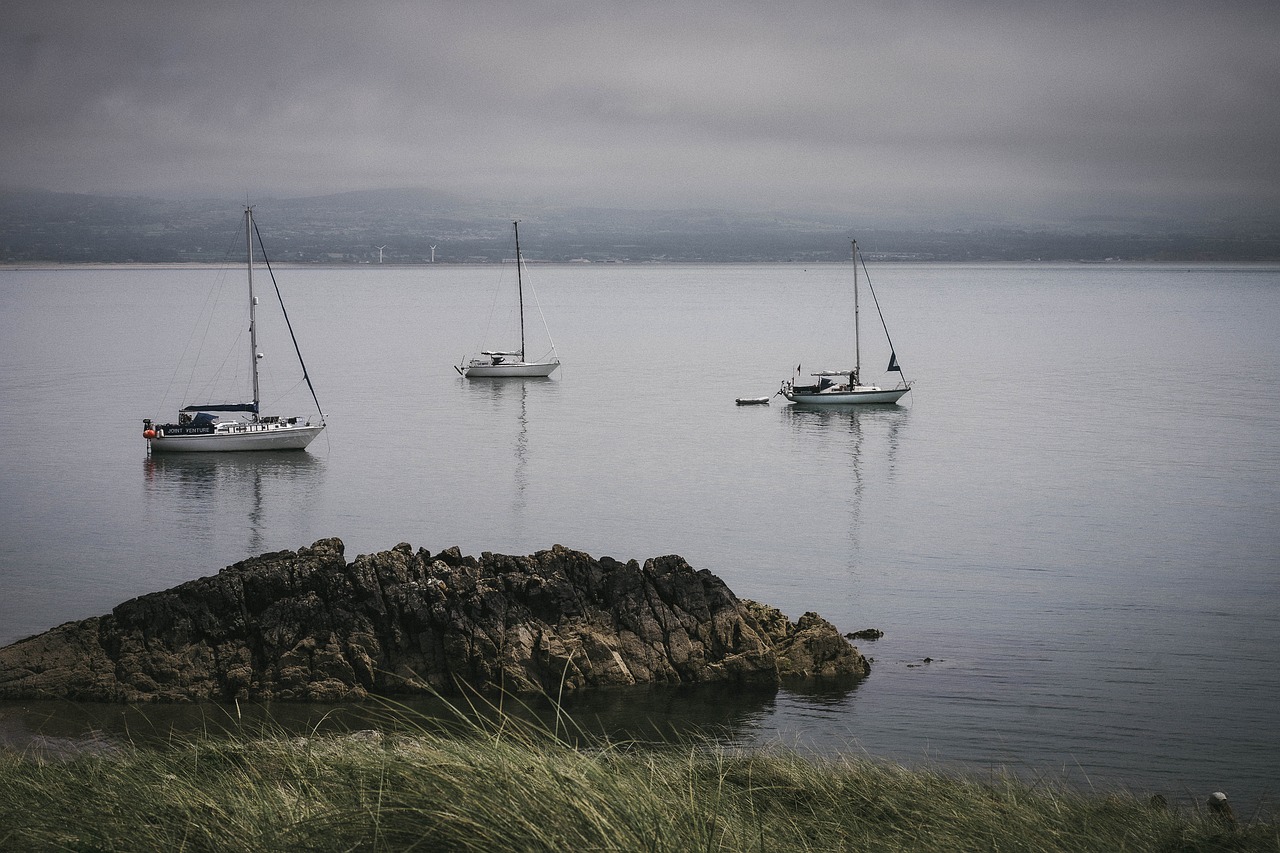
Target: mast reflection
{"type": "Point", "coordinates": [863, 440]}
{"type": "Point", "coordinates": [201, 493]}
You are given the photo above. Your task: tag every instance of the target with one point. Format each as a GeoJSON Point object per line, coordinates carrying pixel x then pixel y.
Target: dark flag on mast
{"type": "Point", "coordinates": [893, 362]}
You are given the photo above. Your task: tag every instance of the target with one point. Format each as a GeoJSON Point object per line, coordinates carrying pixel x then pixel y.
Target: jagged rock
{"type": "Point", "coordinates": [307, 625]}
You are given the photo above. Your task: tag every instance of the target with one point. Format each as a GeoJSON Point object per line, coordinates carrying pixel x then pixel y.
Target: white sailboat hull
{"type": "Point", "coordinates": [858, 397]}
{"type": "Point", "coordinates": [518, 369]}
{"type": "Point", "coordinates": [238, 437]}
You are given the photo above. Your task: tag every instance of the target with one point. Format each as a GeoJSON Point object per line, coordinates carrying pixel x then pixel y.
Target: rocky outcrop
{"type": "Point", "coordinates": [307, 625]}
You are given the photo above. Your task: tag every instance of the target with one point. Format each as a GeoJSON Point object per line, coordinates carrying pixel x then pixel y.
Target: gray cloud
{"type": "Point", "coordinates": [982, 107]}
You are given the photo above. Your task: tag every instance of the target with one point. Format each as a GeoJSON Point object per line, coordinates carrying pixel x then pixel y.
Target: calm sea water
{"type": "Point", "coordinates": [1073, 518]}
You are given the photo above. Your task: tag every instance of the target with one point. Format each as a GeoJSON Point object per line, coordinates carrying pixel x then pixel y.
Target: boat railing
{"type": "Point", "coordinates": [265, 425]}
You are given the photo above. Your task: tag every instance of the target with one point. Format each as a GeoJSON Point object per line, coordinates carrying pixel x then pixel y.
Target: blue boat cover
{"type": "Point", "coordinates": [222, 407]}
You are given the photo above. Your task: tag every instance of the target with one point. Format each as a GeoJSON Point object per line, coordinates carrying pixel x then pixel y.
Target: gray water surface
{"type": "Point", "coordinates": [1073, 516]}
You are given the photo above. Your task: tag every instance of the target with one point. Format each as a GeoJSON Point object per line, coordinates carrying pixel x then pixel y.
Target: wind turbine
{"type": "Point", "coordinates": [379, 248]}
{"type": "Point", "coordinates": [433, 254]}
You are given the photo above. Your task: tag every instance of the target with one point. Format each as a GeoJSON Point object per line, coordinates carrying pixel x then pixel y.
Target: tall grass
{"type": "Point", "coordinates": [503, 785]}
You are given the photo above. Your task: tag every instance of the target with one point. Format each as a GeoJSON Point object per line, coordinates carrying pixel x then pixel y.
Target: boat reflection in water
{"type": "Point", "coordinates": [845, 451]}
{"type": "Point", "coordinates": [840, 435]}
{"type": "Point", "coordinates": [196, 495]}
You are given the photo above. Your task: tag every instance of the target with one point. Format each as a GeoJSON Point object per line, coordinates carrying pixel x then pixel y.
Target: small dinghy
{"type": "Point", "coordinates": [752, 401]}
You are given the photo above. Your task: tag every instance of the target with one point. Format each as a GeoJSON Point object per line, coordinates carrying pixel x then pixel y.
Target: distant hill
{"type": "Point", "coordinates": [45, 227]}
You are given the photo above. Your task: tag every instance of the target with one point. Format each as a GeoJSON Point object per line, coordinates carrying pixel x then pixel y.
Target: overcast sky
{"type": "Point", "coordinates": [1005, 109]}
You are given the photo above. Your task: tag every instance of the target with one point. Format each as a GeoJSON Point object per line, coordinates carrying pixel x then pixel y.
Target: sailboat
{"type": "Point", "coordinates": [503, 364]}
{"type": "Point", "coordinates": [829, 390]}
{"type": "Point", "coordinates": [202, 428]}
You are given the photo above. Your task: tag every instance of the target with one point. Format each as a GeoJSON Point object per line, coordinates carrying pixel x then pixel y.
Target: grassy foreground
{"type": "Point", "coordinates": [507, 786]}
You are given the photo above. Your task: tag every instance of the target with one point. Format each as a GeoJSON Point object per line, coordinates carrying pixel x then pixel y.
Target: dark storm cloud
{"type": "Point", "coordinates": [990, 107]}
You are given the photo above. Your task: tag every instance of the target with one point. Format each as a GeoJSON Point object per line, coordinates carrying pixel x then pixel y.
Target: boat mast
{"type": "Point", "coordinates": [519, 287]}
{"type": "Point", "coordinates": [857, 349]}
{"type": "Point", "coordinates": [253, 306]}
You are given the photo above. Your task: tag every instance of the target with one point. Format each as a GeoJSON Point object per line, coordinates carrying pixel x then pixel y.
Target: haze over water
{"type": "Point", "coordinates": [1073, 516]}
